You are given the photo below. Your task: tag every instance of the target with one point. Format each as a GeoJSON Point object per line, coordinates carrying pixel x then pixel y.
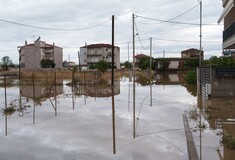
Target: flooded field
{"type": "Point", "coordinates": [78, 122]}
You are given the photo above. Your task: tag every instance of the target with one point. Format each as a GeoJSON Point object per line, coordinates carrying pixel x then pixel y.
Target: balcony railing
{"type": "Point", "coordinates": [229, 32]}
{"type": "Point", "coordinates": [225, 2]}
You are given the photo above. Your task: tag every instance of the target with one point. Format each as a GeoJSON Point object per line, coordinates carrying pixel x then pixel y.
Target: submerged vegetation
{"type": "Point", "coordinates": [229, 141]}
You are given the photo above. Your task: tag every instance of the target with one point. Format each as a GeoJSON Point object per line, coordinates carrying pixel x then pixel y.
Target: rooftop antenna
{"type": "Point", "coordinates": [38, 38]}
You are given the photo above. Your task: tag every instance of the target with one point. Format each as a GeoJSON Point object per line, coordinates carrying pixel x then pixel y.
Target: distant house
{"type": "Point", "coordinates": [138, 58]}
{"type": "Point", "coordinates": [173, 63]}
{"type": "Point", "coordinates": [32, 54]}
{"type": "Point", "coordinates": [192, 53]}
{"type": "Point", "coordinates": [71, 64]}
{"type": "Point", "coordinates": [93, 53]}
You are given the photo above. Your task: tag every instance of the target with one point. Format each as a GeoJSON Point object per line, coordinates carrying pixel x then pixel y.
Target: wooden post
{"type": "Point", "coordinates": [55, 95]}
{"type": "Point", "coordinates": [33, 98]}
{"type": "Point", "coordinates": [5, 86]}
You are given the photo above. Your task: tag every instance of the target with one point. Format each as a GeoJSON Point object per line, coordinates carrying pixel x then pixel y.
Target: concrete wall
{"type": "Point", "coordinates": [221, 86]}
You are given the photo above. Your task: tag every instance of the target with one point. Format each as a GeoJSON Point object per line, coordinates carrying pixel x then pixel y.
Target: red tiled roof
{"type": "Point", "coordinates": [99, 45]}
{"type": "Point", "coordinates": [141, 55]}
{"type": "Point", "coordinates": [191, 49]}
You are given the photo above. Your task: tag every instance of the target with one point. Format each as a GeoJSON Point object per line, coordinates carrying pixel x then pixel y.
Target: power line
{"type": "Point", "coordinates": [59, 29]}
{"type": "Point", "coordinates": [139, 38]}
{"type": "Point", "coordinates": [174, 22]}
{"type": "Point", "coordinates": [177, 15]}
{"type": "Point", "coordinates": [183, 13]}
{"type": "Point", "coordinates": [175, 40]}
{"type": "Point", "coordinates": [123, 23]}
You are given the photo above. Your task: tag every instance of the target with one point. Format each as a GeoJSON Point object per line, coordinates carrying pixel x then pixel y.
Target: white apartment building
{"type": "Point", "coordinates": [228, 17]}
{"type": "Point", "coordinates": [32, 54]}
{"type": "Point", "coordinates": [91, 54]}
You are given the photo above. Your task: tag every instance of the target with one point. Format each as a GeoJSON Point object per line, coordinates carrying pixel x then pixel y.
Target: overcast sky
{"type": "Point", "coordinates": [72, 23]}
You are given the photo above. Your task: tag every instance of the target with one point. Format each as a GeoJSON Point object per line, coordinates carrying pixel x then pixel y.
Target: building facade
{"type": "Point", "coordinates": [172, 63]}
{"type": "Point", "coordinates": [192, 53]}
{"type": "Point", "coordinates": [92, 54]}
{"type": "Point", "coordinates": [30, 55]}
{"type": "Point", "coordinates": [228, 16]}
{"type": "Point", "coordinates": [138, 58]}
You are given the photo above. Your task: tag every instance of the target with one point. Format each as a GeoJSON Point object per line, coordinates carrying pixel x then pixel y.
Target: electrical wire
{"type": "Point", "coordinates": [174, 22]}
{"type": "Point", "coordinates": [139, 38]}
{"type": "Point", "coordinates": [177, 15]}
{"type": "Point", "coordinates": [58, 29]}
{"type": "Point", "coordinates": [184, 13]}
{"type": "Point", "coordinates": [123, 23]}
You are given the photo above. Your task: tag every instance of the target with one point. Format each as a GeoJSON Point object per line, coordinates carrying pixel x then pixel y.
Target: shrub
{"type": "Point", "coordinates": [191, 77]}
{"type": "Point", "coordinates": [229, 141]}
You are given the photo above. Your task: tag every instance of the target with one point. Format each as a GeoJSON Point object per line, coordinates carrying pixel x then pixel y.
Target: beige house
{"type": "Point", "coordinates": [192, 53]}
{"type": "Point", "coordinates": [91, 54]}
{"type": "Point", "coordinates": [32, 54]}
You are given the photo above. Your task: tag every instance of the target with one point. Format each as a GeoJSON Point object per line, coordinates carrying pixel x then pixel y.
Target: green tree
{"type": "Point", "coordinates": [92, 66]}
{"type": "Point", "coordinates": [220, 62]}
{"type": "Point", "coordinates": [145, 63]}
{"type": "Point", "coordinates": [164, 64]}
{"type": "Point", "coordinates": [102, 66]}
{"type": "Point", "coordinates": [191, 77]}
{"type": "Point", "coordinates": [191, 63]}
{"type": "Point", "coordinates": [127, 64]}
{"type": "Point", "coordinates": [47, 63]}
{"type": "Point", "coordinates": [6, 63]}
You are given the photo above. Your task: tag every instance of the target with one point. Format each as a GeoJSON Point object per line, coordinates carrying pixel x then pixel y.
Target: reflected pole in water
{"type": "Point", "coordinates": [133, 25]}
{"type": "Point", "coordinates": [150, 79]}
{"type": "Point", "coordinates": [129, 72]}
{"type": "Point", "coordinates": [5, 87]}
{"type": "Point", "coordinates": [55, 95]}
{"type": "Point", "coordinates": [33, 98]}
{"type": "Point", "coordinates": [72, 90]}
{"type": "Point", "coordinates": [112, 85]}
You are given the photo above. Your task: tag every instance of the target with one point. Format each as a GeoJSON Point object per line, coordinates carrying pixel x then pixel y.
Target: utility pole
{"type": "Point", "coordinates": [133, 28]}
{"type": "Point", "coordinates": [79, 62]}
{"type": "Point", "coordinates": [200, 63]}
{"type": "Point", "coordinates": [200, 55]}
{"type": "Point", "coordinates": [113, 107]}
{"type": "Point", "coordinates": [150, 60]}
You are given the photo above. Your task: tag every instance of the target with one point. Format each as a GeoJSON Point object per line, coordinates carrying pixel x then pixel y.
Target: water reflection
{"type": "Point", "coordinates": [85, 131]}
{"type": "Point", "coordinates": [41, 92]}
{"type": "Point", "coordinates": [220, 113]}
{"type": "Point", "coordinates": [173, 78]}
{"type": "Point", "coordinates": [100, 89]}
{"type": "Point", "coordinates": [213, 121]}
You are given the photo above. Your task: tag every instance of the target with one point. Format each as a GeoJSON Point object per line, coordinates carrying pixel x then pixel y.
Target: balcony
{"type": "Point", "coordinates": [229, 32]}
{"type": "Point", "coordinates": [225, 2]}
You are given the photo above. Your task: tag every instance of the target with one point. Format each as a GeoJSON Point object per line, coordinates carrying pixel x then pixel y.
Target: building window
{"type": "Point", "coordinates": [84, 60]}
{"type": "Point", "coordinates": [84, 53]}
